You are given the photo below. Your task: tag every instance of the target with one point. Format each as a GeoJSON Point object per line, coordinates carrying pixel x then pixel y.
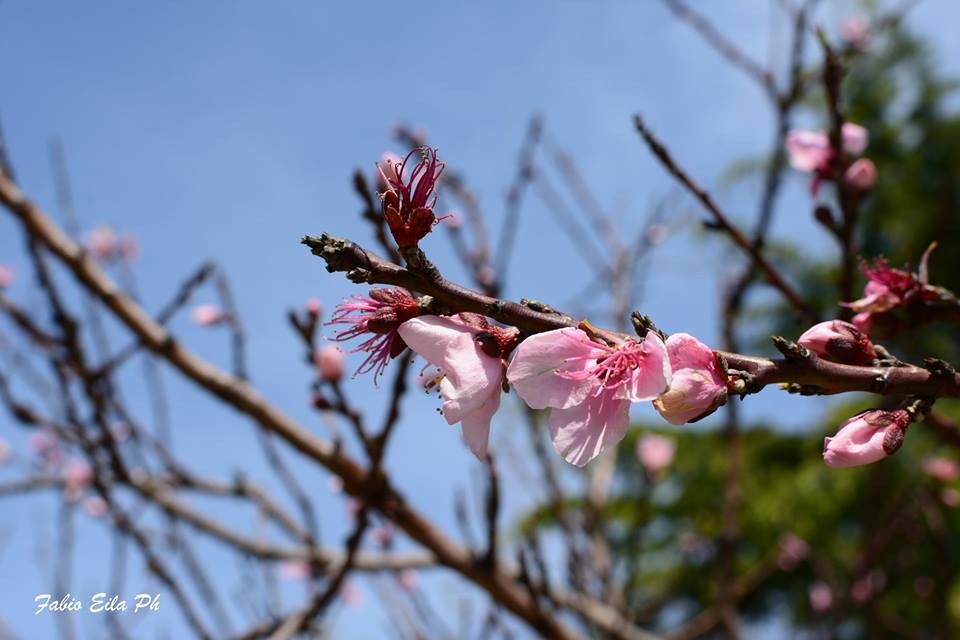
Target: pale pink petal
{"type": "Point", "coordinates": [855, 138]}
{"type": "Point", "coordinates": [538, 359]}
{"type": "Point", "coordinates": [475, 426]}
{"type": "Point", "coordinates": [469, 373]}
{"type": "Point", "coordinates": [655, 452]}
{"type": "Point", "coordinates": [652, 376]}
{"type": "Point", "coordinates": [582, 432]}
{"type": "Point", "coordinates": [808, 150]}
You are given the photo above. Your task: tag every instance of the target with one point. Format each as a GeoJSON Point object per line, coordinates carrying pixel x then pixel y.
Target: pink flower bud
{"type": "Point", "coordinates": [821, 597]}
{"type": "Point", "coordinates": [655, 452]}
{"type": "Point", "coordinates": [839, 341]}
{"type": "Point", "coordinates": [942, 469]}
{"type": "Point", "coordinates": [329, 361]}
{"type": "Point", "coordinates": [78, 474]}
{"type": "Point", "coordinates": [314, 307]}
{"type": "Point", "coordinates": [861, 175]}
{"type": "Point", "coordinates": [208, 315]}
{"type": "Point", "coordinates": [698, 386]}
{"type": "Point", "coordinates": [7, 276]}
{"type": "Point", "coordinates": [862, 321]}
{"type": "Point", "coordinates": [95, 506]}
{"type": "Point", "coordinates": [866, 438]}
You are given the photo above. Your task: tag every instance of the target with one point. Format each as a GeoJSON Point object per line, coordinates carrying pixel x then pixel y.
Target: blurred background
{"type": "Point", "coordinates": [225, 133]}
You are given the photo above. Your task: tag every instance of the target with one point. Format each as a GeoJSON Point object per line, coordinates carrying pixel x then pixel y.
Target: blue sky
{"type": "Point", "coordinates": [227, 133]}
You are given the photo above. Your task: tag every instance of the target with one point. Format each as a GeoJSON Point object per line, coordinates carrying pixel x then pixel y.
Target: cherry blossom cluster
{"type": "Point", "coordinates": [587, 379]}
{"type": "Point", "coordinates": [811, 152]}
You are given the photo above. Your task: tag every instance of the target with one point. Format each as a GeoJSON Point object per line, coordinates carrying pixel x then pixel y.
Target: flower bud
{"type": "Point", "coordinates": [839, 341]}
{"type": "Point", "coordinates": [329, 361]}
{"type": "Point", "coordinates": [861, 175]}
{"type": "Point", "coordinates": [866, 438]}
{"type": "Point", "coordinates": [698, 386]}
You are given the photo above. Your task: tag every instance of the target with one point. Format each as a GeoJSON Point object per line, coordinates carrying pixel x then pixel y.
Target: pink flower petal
{"type": "Point", "coordinates": [475, 426]}
{"type": "Point", "coordinates": [582, 432]}
{"type": "Point", "coordinates": [536, 361]}
{"type": "Point", "coordinates": [808, 150]}
{"type": "Point", "coordinates": [652, 377]}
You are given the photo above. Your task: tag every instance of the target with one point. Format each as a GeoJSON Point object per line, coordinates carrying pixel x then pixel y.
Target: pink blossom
{"type": "Point", "coordinates": [861, 175]}
{"type": "Point", "coordinates": [45, 444]}
{"type": "Point", "coordinates": [351, 594]}
{"type": "Point", "coordinates": [793, 549]}
{"type": "Point", "coordinates": [863, 321]}
{"type": "Point", "coordinates": [821, 597]}
{"type": "Point", "coordinates": [376, 319]}
{"type": "Point", "coordinates": [839, 341]}
{"type": "Point", "coordinates": [95, 506]}
{"type": "Point", "coordinates": [588, 386]}
{"type": "Point", "coordinates": [655, 452]}
{"type": "Point", "coordinates": [314, 307]}
{"type": "Point", "coordinates": [208, 315]}
{"type": "Point", "coordinates": [408, 579]}
{"type": "Point", "coordinates": [866, 438]}
{"type": "Point", "coordinates": [942, 469]}
{"type": "Point", "coordinates": [102, 242]}
{"type": "Point", "coordinates": [295, 570]}
{"type": "Point", "coordinates": [855, 31]}
{"type": "Point", "coordinates": [698, 385]}
{"type": "Point", "coordinates": [78, 474]}
{"type": "Point", "coordinates": [888, 288]}
{"type": "Point", "coordinates": [409, 196]}
{"type": "Point", "coordinates": [470, 353]}
{"type": "Point", "coordinates": [811, 152]}
{"type": "Point", "coordinates": [7, 276]}
{"type": "Point", "coordinates": [329, 361]}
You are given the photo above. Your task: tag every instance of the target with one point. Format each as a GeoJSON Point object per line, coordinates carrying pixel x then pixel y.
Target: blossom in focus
{"type": "Point", "coordinates": [839, 341]}
{"type": "Point", "coordinates": [329, 361]}
{"type": "Point", "coordinates": [587, 385]}
{"type": "Point", "coordinates": [376, 319]}
{"type": "Point", "coordinates": [861, 175]}
{"type": "Point", "coordinates": [655, 452]}
{"type": "Point", "coordinates": [7, 276]}
{"type": "Point", "coordinates": [942, 469]}
{"type": "Point", "coordinates": [410, 195]}
{"type": "Point", "coordinates": [208, 315]}
{"type": "Point", "coordinates": [698, 385]}
{"type": "Point", "coordinates": [855, 31]}
{"type": "Point", "coordinates": [866, 438]}
{"type": "Point", "coordinates": [470, 354]}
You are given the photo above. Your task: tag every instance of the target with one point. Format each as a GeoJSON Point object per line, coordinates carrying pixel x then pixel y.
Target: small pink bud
{"type": "Point", "coordinates": [861, 175]}
{"type": "Point", "coordinates": [655, 452]}
{"type": "Point", "coordinates": [839, 341]}
{"type": "Point", "coordinates": [78, 474]}
{"type": "Point", "coordinates": [95, 506]}
{"type": "Point", "coordinates": [821, 597]}
{"type": "Point", "coordinates": [314, 307]}
{"type": "Point", "coordinates": [208, 315]}
{"type": "Point", "coordinates": [698, 385]}
{"type": "Point", "coordinates": [942, 469]}
{"type": "Point", "coordinates": [855, 31]}
{"type": "Point", "coordinates": [866, 438]}
{"type": "Point", "coordinates": [329, 361]}
{"type": "Point", "coordinates": [7, 276]}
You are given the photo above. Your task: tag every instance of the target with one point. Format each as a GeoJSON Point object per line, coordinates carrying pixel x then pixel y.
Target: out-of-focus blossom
{"type": "Point", "coordinates": [95, 506]}
{"type": "Point", "coordinates": [208, 315]}
{"type": "Point", "coordinates": [855, 31]}
{"type": "Point", "coordinates": [821, 597]}
{"type": "Point", "coordinates": [861, 175]}
{"type": "Point", "coordinates": [866, 587]}
{"type": "Point", "coordinates": [811, 151]}
{"type": "Point", "coordinates": [329, 361]}
{"type": "Point", "coordinates": [7, 276]}
{"type": "Point", "coordinates": [839, 341]}
{"type": "Point", "coordinates": [5, 451]}
{"type": "Point", "coordinates": [656, 234]}
{"type": "Point", "coordinates": [470, 352]}
{"type": "Point", "coordinates": [295, 570]}
{"type": "Point", "coordinates": [655, 452]}
{"type": "Point", "coordinates": [314, 307]}
{"type": "Point", "coordinates": [408, 580]}
{"type": "Point", "coordinates": [105, 245]}
{"type": "Point", "coordinates": [45, 444]}
{"type": "Point", "coordinates": [351, 594]}
{"type": "Point", "coordinates": [942, 469]}
{"type": "Point", "coordinates": [588, 386]}
{"type": "Point", "coordinates": [376, 319]}
{"type": "Point", "coordinates": [698, 385]}
{"type": "Point", "coordinates": [382, 536]}
{"type": "Point", "coordinates": [866, 438]}
{"type": "Point", "coordinates": [410, 196]}
{"type": "Point", "coordinates": [793, 550]}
